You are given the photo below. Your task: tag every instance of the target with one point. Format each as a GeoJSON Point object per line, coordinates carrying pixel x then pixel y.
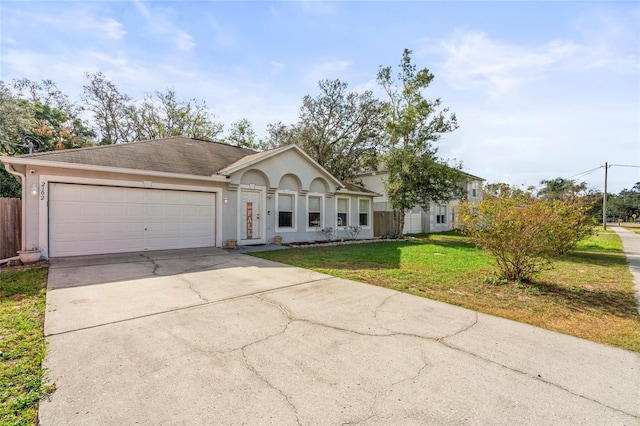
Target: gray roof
{"type": "Point", "coordinates": [356, 188]}
{"type": "Point", "coordinates": [255, 156]}
{"type": "Point", "coordinates": [171, 155]}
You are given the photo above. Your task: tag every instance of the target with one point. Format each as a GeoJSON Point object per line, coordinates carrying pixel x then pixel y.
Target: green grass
{"type": "Point", "coordinates": [22, 305]}
{"type": "Point", "coordinates": [589, 293]}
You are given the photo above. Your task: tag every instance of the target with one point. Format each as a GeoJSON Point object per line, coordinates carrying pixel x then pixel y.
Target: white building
{"type": "Point", "coordinates": [439, 217]}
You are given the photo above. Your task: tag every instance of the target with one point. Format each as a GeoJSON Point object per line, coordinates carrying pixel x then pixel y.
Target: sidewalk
{"type": "Point", "coordinates": [631, 246]}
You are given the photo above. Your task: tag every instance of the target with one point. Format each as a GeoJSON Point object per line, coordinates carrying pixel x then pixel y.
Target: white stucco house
{"type": "Point", "coordinates": [438, 218]}
{"type": "Point", "coordinates": [180, 193]}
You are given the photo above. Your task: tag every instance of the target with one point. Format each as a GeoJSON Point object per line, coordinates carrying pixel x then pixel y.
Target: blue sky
{"type": "Point", "coordinates": [540, 89]}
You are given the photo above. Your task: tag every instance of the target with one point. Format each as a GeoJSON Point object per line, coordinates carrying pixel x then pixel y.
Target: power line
{"type": "Point", "coordinates": [586, 172]}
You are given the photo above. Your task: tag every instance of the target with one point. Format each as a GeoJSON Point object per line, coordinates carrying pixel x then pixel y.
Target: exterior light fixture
{"type": "Point", "coordinates": [226, 200]}
{"type": "Point", "coordinates": [34, 189]}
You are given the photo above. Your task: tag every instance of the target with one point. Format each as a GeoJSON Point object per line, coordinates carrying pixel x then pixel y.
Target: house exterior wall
{"type": "Point", "coordinates": [290, 174]}
{"type": "Point", "coordinates": [285, 173]}
{"type": "Point", "coordinates": [429, 218]}
{"type": "Point", "coordinates": [36, 206]}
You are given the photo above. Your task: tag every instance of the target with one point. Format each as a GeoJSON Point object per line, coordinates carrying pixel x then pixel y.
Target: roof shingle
{"type": "Point", "coordinates": [171, 155]}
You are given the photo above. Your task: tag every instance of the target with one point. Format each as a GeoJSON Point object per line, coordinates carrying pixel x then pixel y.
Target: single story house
{"type": "Point", "coordinates": [180, 193]}
{"type": "Point", "coordinates": [438, 218]}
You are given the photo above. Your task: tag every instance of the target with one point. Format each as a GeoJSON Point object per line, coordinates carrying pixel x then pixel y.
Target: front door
{"type": "Point", "coordinates": [250, 226]}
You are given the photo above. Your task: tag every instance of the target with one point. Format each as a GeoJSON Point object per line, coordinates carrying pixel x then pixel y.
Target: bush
{"type": "Point", "coordinates": [524, 234]}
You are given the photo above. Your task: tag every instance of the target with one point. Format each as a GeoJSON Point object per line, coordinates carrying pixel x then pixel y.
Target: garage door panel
{"type": "Point", "coordinates": [86, 219]}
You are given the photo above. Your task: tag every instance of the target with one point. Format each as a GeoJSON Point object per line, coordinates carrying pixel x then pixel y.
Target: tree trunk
{"type": "Point", "coordinates": [398, 222]}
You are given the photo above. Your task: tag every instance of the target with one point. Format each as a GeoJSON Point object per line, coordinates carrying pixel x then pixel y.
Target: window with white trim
{"type": "Point", "coordinates": [441, 214]}
{"type": "Point", "coordinates": [286, 211]}
{"type": "Point", "coordinates": [343, 212]}
{"type": "Point", "coordinates": [314, 211]}
{"type": "Point", "coordinates": [364, 212]}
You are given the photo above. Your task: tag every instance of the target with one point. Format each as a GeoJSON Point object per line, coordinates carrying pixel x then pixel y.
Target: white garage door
{"type": "Point", "coordinates": [86, 219]}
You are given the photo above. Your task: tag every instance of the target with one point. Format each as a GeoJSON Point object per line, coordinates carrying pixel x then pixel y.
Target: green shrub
{"type": "Point", "coordinates": [524, 234]}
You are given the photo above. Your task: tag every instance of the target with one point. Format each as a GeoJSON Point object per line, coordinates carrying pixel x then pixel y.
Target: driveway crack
{"type": "Point", "coordinates": [474, 323]}
{"type": "Point", "coordinates": [155, 264]}
{"type": "Point", "coordinates": [538, 377]}
{"type": "Point", "coordinates": [371, 411]}
{"type": "Point", "coordinates": [441, 341]}
{"type": "Point", "coordinates": [415, 376]}
{"type": "Point", "coordinates": [386, 299]}
{"type": "Point", "coordinates": [190, 285]}
{"type": "Point", "coordinates": [251, 368]}
{"type": "Point", "coordinates": [281, 307]}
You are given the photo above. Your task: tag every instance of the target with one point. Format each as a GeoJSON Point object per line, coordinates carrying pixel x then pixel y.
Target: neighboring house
{"type": "Point", "coordinates": [180, 193]}
{"type": "Point", "coordinates": [439, 217]}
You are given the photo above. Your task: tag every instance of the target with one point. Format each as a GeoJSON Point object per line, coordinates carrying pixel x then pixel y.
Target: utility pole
{"type": "Point", "coordinates": [604, 198]}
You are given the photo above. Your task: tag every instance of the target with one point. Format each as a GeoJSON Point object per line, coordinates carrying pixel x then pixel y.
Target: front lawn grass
{"type": "Point", "coordinates": [22, 305]}
{"type": "Point", "coordinates": [589, 293]}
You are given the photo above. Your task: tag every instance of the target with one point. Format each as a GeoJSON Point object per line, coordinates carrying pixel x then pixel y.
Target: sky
{"type": "Point", "coordinates": [540, 89]}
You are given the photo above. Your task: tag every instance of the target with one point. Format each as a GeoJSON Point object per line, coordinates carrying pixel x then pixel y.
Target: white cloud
{"type": "Point", "coordinates": [276, 67]}
{"type": "Point", "coordinates": [527, 143]}
{"type": "Point", "coordinates": [142, 8]}
{"type": "Point", "coordinates": [84, 22]}
{"type": "Point", "coordinates": [328, 69]}
{"type": "Point", "coordinates": [113, 29]}
{"type": "Point", "coordinates": [184, 41]}
{"type": "Point", "coordinates": [317, 7]}
{"type": "Point", "coordinates": [472, 60]}
{"type": "Point", "coordinates": [218, 34]}
{"type": "Point", "coordinates": [160, 22]}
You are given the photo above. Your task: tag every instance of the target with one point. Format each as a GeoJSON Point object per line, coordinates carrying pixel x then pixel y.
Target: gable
{"type": "Point", "coordinates": [275, 164]}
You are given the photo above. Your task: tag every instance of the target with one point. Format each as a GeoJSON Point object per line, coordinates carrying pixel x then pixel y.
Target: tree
{"type": "Point", "coordinates": [341, 130]}
{"type": "Point", "coordinates": [46, 93]}
{"type": "Point", "coordinates": [16, 120]}
{"type": "Point", "coordinates": [33, 113]}
{"type": "Point", "coordinates": [120, 119]}
{"type": "Point", "coordinates": [561, 189]}
{"type": "Point", "coordinates": [162, 115]}
{"type": "Point", "coordinates": [279, 135]}
{"type": "Point", "coordinates": [55, 129]}
{"type": "Point", "coordinates": [524, 233]}
{"type": "Point", "coordinates": [625, 204]}
{"type": "Point", "coordinates": [9, 185]}
{"type": "Point", "coordinates": [111, 109]}
{"type": "Point", "coordinates": [413, 125]}
{"type": "Point", "coordinates": [241, 134]}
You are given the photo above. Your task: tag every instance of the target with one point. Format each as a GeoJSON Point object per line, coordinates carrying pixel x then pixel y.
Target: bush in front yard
{"type": "Point", "coordinates": [523, 233]}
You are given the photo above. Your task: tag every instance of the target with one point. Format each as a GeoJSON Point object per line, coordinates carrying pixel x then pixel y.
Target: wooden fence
{"type": "Point", "coordinates": [382, 224]}
{"type": "Point", "coordinates": [10, 226]}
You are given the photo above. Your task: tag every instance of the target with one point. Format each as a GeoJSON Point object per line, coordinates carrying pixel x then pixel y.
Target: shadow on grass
{"type": "Point", "coordinates": [578, 298]}
{"type": "Point", "coordinates": [596, 257]}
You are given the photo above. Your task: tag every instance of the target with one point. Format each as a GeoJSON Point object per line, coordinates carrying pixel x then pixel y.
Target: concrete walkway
{"type": "Point", "coordinates": [213, 337]}
{"type": "Point", "coordinates": [631, 246]}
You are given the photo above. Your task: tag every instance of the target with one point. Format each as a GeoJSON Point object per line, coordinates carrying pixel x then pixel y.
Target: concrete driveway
{"type": "Point", "coordinates": [212, 337]}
